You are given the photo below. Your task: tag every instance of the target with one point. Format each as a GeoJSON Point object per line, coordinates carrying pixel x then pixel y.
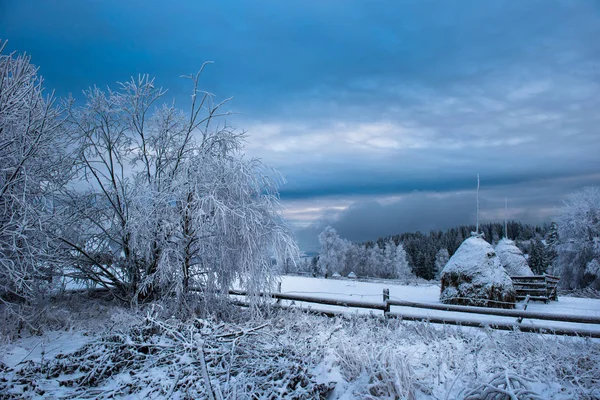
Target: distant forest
{"type": "Point", "coordinates": [426, 254]}
{"type": "Point", "coordinates": [421, 249]}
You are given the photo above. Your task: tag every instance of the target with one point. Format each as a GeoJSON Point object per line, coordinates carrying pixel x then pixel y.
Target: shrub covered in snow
{"type": "Point", "coordinates": [579, 240]}
{"type": "Point", "coordinates": [512, 259]}
{"type": "Point", "coordinates": [474, 276]}
{"type": "Point", "coordinates": [352, 275]}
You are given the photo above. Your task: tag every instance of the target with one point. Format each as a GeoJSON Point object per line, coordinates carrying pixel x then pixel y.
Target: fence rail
{"type": "Point", "coordinates": [387, 303]}
{"type": "Point", "coordinates": [537, 287]}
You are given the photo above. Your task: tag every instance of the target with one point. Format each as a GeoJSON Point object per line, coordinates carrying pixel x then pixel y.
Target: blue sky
{"type": "Point", "coordinates": [379, 114]}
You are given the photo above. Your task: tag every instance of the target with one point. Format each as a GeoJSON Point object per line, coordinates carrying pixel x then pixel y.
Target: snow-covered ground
{"type": "Point", "coordinates": [291, 352]}
{"type": "Point", "coordinates": [350, 289]}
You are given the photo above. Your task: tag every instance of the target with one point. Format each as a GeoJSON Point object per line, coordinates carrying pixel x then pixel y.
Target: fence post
{"type": "Point", "coordinates": [520, 319]}
{"type": "Point", "coordinates": [278, 291]}
{"type": "Point", "coordinates": [386, 298]}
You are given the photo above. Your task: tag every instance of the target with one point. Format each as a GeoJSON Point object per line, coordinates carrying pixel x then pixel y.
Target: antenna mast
{"type": "Point", "coordinates": [505, 216]}
{"type": "Point", "coordinates": [477, 226]}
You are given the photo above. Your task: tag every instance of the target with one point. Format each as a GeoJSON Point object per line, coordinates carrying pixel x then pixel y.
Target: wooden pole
{"type": "Point", "coordinates": [505, 217]}
{"type": "Point", "coordinates": [278, 291]}
{"type": "Point", "coordinates": [477, 226]}
{"type": "Point", "coordinates": [386, 300]}
{"type": "Point", "coordinates": [524, 308]}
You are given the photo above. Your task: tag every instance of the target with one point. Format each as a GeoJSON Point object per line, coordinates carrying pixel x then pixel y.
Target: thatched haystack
{"type": "Point", "coordinates": [474, 276]}
{"type": "Point", "coordinates": [512, 258]}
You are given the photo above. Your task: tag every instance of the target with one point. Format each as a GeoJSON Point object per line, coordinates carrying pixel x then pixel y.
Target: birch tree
{"type": "Point", "coordinates": [171, 203]}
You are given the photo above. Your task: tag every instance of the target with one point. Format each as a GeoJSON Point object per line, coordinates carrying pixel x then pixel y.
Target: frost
{"type": "Point", "coordinates": [593, 268]}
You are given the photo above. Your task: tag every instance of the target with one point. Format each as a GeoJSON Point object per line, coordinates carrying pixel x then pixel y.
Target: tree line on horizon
{"type": "Point", "coordinates": [422, 255]}
{"type": "Point", "coordinates": [568, 247]}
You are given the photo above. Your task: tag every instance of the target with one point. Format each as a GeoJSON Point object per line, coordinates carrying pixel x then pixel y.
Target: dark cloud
{"type": "Point", "coordinates": [361, 100]}
{"type": "Point", "coordinates": [367, 219]}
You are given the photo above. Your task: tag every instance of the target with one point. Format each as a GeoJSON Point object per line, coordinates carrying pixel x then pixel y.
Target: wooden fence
{"type": "Point", "coordinates": [387, 303]}
{"type": "Point", "coordinates": [538, 287]}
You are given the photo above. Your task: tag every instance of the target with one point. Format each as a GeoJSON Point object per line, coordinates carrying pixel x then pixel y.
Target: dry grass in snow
{"type": "Point", "coordinates": [291, 354]}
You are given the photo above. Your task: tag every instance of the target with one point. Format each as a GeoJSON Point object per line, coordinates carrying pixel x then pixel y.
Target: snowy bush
{"type": "Point", "coordinates": [474, 276]}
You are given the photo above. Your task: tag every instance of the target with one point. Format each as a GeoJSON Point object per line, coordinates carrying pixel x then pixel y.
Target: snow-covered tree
{"type": "Point", "coordinates": [355, 260]}
{"type": "Point", "coordinates": [579, 239]}
{"type": "Point", "coordinates": [171, 202]}
{"type": "Point", "coordinates": [538, 259]}
{"type": "Point", "coordinates": [374, 260]}
{"type": "Point", "coordinates": [33, 167]}
{"type": "Point", "coordinates": [332, 257]}
{"type": "Point", "coordinates": [441, 259]}
{"type": "Point", "coordinates": [402, 268]}
{"type": "Point", "coordinates": [387, 269]}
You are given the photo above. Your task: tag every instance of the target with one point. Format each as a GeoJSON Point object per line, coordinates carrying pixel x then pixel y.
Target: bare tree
{"type": "Point", "coordinates": [33, 167]}
{"type": "Point", "coordinates": [171, 203]}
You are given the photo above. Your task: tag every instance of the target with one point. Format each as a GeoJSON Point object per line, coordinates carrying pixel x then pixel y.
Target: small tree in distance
{"type": "Point", "coordinates": [332, 257]}
{"type": "Point", "coordinates": [441, 259]}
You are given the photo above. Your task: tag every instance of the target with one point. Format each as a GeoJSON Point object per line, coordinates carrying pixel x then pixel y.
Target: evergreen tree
{"type": "Point", "coordinates": [403, 270]}
{"type": "Point", "coordinates": [537, 257]}
{"type": "Point", "coordinates": [441, 259]}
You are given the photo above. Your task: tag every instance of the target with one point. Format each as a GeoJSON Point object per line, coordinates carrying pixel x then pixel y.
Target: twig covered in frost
{"type": "Point", "coordinates": [504, 385]}
{"type": "Point", "coordinates": [198, 359]}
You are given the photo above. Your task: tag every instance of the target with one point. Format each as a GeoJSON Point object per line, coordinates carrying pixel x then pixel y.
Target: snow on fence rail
{"type": "Point", "coordinates": [387, 303]}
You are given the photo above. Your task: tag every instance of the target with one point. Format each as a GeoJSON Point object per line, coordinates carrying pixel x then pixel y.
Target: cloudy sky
{"type": "Point", "coordinates": [378, 113]}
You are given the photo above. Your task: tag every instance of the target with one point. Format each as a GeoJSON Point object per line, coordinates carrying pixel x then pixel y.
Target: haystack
{"type": "Point", "coordinates": [512, 258]}
{"type": "Point", "coordinates": [474, 276]}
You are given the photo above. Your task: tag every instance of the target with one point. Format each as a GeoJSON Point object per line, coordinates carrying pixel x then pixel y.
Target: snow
{"type": "Point", "coordinates": [346, 289]}
{"type": "Point", "coordinates": [512, 258]}
{"type": "Point", "coordinates": [361, 358]}
{"type": "Point", "coordinates": [352, 289]}
{"type": "Point", "coordinates": [477, 258]}
{"type": "Point", "coordinates": [474, 276]}
{"type": "Point", "coordinates": [36, 348]}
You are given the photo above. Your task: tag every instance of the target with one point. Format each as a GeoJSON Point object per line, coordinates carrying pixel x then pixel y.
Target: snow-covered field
{"type": "Point", "coordinates": [108, 351]}
{"type": "Point", "coordinates": [373, 292]}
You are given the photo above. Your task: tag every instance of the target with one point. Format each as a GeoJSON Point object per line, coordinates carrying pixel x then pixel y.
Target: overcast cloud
{"type": "Point", "coordinates": [379, 114]}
